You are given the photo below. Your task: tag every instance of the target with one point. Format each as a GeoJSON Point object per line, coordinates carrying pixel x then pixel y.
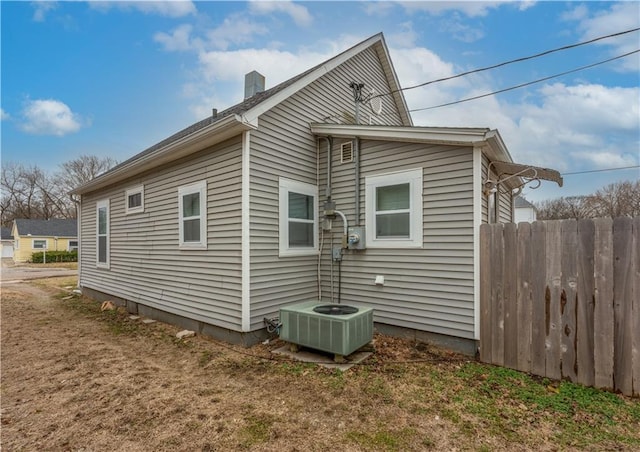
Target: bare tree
{"type": "Point", "coordinates": [618, 200]}
{"type": "Point", "coordinates": [83, 169]}
{"type": "Point", "coordinates": [614, 200]}
{"type": "Point", "coordinates": [29, 192]}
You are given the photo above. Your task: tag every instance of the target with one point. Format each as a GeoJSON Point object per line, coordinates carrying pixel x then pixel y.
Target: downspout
{"type": "Point", "coordinates": [78, 206]}
{"type": "Point", "coordinates": [357, 179]}
{"type": "Point", "coordinates": [329, 141]}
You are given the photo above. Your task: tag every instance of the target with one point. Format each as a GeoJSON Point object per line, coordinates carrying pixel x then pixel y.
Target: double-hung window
{"type": "Point", "coordinates": [134, 200]}
{"type": "Point", "coordinates": [102, 234]}
{"type": "Point", "coordinates": [394, 209]}
{"type": "Point", "coordinates": [39, 244]}
{"type": "Point", "coordinates": [192, 205]}
{"type": "Point", "coordinates": [298, 218]}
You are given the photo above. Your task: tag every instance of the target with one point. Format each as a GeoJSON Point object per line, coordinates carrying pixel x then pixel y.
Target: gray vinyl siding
{"type": "Point", "coordinates": [431, 288]}
{"type": "Point", "coordinates": [146, 264]}
{"type": "Point", "coordinates": [284, 147]}
{"type": "Point", "coordinates": [505, 211]}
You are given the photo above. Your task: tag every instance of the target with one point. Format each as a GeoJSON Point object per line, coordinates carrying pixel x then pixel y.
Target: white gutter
{"type": "Point", "coordinates": [217, 132]}
{"type": "Point", "coordinates": [444, 135]}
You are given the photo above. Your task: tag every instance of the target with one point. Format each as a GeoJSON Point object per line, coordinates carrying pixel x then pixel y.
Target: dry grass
{"type": "Point", "coordinates": [77, 378]}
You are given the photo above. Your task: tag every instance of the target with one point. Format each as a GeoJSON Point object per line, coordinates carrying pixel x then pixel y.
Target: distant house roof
{"type": "Point", "coordinates": [242, 117]}
{"type": "Point", "coordinates": [47, 228]}
{"type": "Point", "coordinates": [5, 234]}
{"type": "Point", "coordinates": [521, 202]}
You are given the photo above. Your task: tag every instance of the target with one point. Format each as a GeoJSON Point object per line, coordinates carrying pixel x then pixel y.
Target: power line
{"type": "Point", "coordinates": [601, 170]}
{"type": "Point", "coordinates": [517, 60]}
{"type": "Point", "coordinates": [525, 84]}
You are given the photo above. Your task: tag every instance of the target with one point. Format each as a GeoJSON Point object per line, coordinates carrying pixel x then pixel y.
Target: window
{"type": "Point", "coordinates": [394, 209]}
{"type": "Point", "coordinates": [298, 218]}
{"type": "Point", "coordinates": [192, 200]}
{"type": "Point", "coordinates": [134, 200]}
{"type": "Point", "coordinates": [102, 234]}
{"type": "Point", "coordinates": [73, 245]}
{"type": "Point", "coordinates": [39, 244]}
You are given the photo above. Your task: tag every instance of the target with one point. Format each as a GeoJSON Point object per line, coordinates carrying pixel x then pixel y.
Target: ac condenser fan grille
{"type": "Point", "coordinates": [335, 309]}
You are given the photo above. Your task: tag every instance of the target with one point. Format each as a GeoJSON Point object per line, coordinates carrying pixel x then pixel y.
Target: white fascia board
{"type": "Point", "coordinates": [217, 132]}
{"type": "Point", "coordinates": [328, 66]}
{"type": "Point", "coordinates": [497, 150]}
{"type": "Point", "coordinates": [477, 221]}
{"type": "Point", "coordinates": [453, 136]}
{"type": "Point", "coordinates": [395, 85]}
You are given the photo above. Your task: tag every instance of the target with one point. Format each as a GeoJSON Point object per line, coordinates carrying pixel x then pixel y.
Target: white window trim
{"type": "Point", "coordinates": [99, 205]}
{"type": "Point", "coordinates": [77, 247]}
{"type": "Point", "coordinates": [414, 178]}
{"type": "Point", "coordinates": [286, 186]}
{"type": "Point", "coordinates": [132, 191]}
{"type": "Point", "coordinates": [33, 244]}
{"type": "Point", "coordinates": [201, 188]}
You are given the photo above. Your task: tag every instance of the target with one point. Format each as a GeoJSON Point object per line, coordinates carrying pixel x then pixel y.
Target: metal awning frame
{"type": "Point", "coordinates": [518, 175]}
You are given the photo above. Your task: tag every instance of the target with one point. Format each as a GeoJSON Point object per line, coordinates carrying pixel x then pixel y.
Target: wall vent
{"type": "Point", "coordinates": [346, 152]}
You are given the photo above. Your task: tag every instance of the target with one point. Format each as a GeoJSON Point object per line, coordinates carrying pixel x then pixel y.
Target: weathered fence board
{"type": "Point", "coordinates": [510, 293]}
{"type": "Point", "coordinates": [552, 300]}
{"type": "Point", "coordinates": [497, 295]}
{"type": "Point", "coordinates": [584, 331]}
{"type": "Point", "coordinates": [485, 290]}
{"type": "Point", "coordinates": [622, 239]}
{"type": "Point", "coordinates": [603, 309]}
{"type": "Point", "coordinates": [568, 302]}
{"type": "Point", "coordinates": [561, 299]}
{"type": "Point", "coordinates": [538, 285]}
{"type": "Point", "coordinates": [523, 301]}
{"type": "Point", "coordinates": [635, 308]}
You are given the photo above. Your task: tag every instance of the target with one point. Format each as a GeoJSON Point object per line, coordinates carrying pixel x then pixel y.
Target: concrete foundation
{"type": "Point", "coordinates": [465, 346]}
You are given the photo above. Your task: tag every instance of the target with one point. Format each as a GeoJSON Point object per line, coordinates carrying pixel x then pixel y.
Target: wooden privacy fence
{"type": "Point", "coordinates": [561, 299]}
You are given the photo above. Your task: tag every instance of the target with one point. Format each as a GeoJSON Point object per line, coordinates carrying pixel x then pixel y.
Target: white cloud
{"type": "Point", "coordinates": [41, 9]}
{"type": "Point", "coordinates": [300, 14]}
{"type": "Point", "coordinates": [468, 8]}
{"type": "Point", "coordinates": [236, 29]}
{"type": "Point", "coordinates": [405, 37]}
{"type": "Point", "coordinates": [178, 40]}
{"type": "Point", "coordinates": [620, 17]}
{"type": "Point", "coordinates": [4, 115]}
{"type": "Point", "coordinates": [172, 8]}
{"type": "Point", "coordinates": [461, 31]}
{"type": "Point", "coordinates": [49, 117]}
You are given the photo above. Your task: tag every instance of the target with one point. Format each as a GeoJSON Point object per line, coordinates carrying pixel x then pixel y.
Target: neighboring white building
{"type": "Point", "coordinates": [524, 211]}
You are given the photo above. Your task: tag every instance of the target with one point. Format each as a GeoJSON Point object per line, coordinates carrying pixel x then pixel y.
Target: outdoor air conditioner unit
{"type": "Point", "coordinates": [334, 328]}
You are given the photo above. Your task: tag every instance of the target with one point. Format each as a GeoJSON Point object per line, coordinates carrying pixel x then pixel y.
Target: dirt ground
{"type": "Point", "coordinates": [75, 378]}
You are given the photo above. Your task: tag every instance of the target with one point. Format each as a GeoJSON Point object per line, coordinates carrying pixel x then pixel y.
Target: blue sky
{"type": "Point", "coordinates": [112, 78]}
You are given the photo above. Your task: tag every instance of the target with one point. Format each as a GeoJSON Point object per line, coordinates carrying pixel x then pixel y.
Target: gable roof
{"type": "Point", "coordinates": [242, 117]}
{"type": "Point", "coordinates": [519, 201]}
{"type": "Point", "coordinates": [5, 233]}
{"type": "Point", "coordinates": [47, 228]}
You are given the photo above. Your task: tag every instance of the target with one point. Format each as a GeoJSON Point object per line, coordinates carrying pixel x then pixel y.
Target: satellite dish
{"type": "Point", "coordinates": [375, 102]}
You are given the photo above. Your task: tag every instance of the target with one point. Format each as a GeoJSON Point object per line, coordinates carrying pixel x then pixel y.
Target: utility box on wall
{"type": "Point", "coordinates": [356, 238]}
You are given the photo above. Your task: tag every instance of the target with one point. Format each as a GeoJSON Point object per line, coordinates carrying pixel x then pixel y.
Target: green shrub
{"type": "Point", "coordinates": [55, 256]}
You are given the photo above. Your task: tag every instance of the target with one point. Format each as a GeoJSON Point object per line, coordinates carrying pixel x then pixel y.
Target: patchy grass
{"type": "Point", "coordinates": [122, 378]}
